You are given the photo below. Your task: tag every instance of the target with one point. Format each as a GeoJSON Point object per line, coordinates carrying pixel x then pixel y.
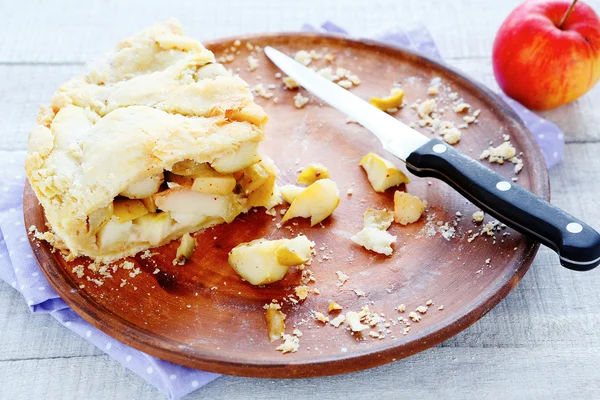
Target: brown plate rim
{"type": "Point", "coordinates": [142, 340]}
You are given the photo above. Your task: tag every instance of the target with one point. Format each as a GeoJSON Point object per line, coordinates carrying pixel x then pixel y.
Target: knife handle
{"type": "Point", "coordinates": [577, 244]}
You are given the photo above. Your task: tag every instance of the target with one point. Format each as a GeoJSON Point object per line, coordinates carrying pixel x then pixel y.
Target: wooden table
{"type": "Point", "coordinates": [543, 341]}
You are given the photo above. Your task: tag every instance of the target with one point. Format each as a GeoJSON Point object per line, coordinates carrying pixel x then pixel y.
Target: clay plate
{"type": "Point", "coordinates": [202, 315]}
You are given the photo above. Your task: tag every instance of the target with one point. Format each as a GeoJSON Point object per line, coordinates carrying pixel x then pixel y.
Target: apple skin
{"type": "Point", "coordinates": [542, 66]}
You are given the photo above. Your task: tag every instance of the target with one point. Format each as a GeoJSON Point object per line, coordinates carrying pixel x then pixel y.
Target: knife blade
{"type": "Point", "coordinates": [387, 128]}
{"type": "Point", "coordinates": [577, 244]}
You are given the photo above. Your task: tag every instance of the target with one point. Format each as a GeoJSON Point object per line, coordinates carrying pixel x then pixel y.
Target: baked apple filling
{"type": "Point", "coordinates": [189, 197]}
{"type": "Point", "coordinates": [153, 141]}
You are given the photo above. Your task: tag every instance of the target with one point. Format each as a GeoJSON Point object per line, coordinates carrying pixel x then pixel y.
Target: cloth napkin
{"type": "Point", "coordinates": [19, 269]}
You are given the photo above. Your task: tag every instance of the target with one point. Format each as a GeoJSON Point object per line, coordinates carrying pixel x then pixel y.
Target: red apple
{"type": "Point", "coordinates": [542, 63]}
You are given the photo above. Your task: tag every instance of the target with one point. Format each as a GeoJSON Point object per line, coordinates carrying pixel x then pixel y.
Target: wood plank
{"type": "Point", "coordinates": [27, 336]}
{"type": "Point", "coordinates": [25, 87]}
{"type": "Point", "coordinates": [484, 373]}
{"type": "Point", "coordinates": [86, 377]}
{"type": "Point", "coordinates": [71, 33]}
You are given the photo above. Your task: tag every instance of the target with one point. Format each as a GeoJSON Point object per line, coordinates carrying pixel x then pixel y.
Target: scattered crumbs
{"type": "Point", "coordinates": [441, 307]}
{"type": "Point", "coordinates": [342, 277]}
{"type": "Point", "coordinates": [128, 265]}
{"type": "Point", "coordinates": [123, 283]}
{"type": "Point", "coordinates": [300, 101]}
{"type": "Point", "coordinates": [261, 91]}
{"type": "Point", "coordinates": [488, 260]}
{"type": "Point", "coordinates": [303, 57]}
{"type": "Point", "coordinates": [156, 271]}
{"type": "Point", "coordinates": [147, 254]}
{"type": "Point", "coordinates": [429, 302]}
{"type": "Point", "coordinates": [401, 308]}
{"type": "Point", "coordinates": [359, 292]}
{"type": "Point", "coordinates": [447, 231]}
{"type": "Point", "coordinates": [78, 270]}
{"type": "Point", "coordinates": [297, 332]}
{"type": "Point", "coordinates": [333, 306]}
{"type": "Point", "coordinates": [478, 216]}
{"type": "Point", "coordinates": [319, 316]}
{"type": "Point", "coordinates": [425, 108]}
{"type": "Point", "coordinates": [290, 83]}
{"type": "Point", "coordinates": [252, 63]}
{"type": "Point", "coordinates": [414, 316]}
{"type": "Point", "coordinates": [461, 107]}
{"type": "Point", "coordinates": [316, 291]}
{"type": "Point", "coordinates": [272, 212]}
{"type": "Point", "coordinates": [469, 119]}
{"type": "Point", "coordinates": [302, 291]}
{"type": "Point", "coordinates": [345, 83]}
{"type": "Point", "coordinates": [350, 192]}
{"type": "Point", "coordinates": [421, 309]}
{"type": "Point", "coordinates": [499, 154]}
{"type": "Point", "coordinates": [290, 344]}
{"type": "Point", "coordinates": [135, 273]}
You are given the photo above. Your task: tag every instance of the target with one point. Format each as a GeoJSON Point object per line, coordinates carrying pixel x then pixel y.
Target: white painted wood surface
{"type": "Point", "coordinates": [543, 341]}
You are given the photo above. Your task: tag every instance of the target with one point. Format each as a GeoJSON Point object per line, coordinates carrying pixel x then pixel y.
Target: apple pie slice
{"type": "Point", "coordinates": [155, 140]}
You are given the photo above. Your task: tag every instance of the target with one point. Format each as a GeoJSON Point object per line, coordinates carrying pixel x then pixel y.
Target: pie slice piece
{"type": "Point", "coordinates": [152, 142]}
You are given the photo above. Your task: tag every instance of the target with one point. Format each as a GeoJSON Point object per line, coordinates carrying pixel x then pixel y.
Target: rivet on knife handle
{"type": "Point", "coordinates": [577, 244]}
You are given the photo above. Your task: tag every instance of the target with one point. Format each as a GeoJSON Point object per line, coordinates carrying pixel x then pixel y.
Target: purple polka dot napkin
{"type": "Point", "coordinates": [19, 269]}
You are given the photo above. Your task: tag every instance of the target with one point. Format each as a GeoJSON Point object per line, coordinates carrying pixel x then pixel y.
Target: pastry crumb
{"type": "Point", "coordinates": [300, 101]}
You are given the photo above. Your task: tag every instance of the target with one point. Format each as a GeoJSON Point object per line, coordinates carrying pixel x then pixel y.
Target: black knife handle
{"type": "Point", "coordinates": [577, 244]}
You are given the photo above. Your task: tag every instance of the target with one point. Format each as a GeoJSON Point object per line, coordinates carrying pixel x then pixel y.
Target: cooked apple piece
{"type": "Point", "coordinates": [214, 183]}
{"type": "Point", "coordinates": [127, 209]}
{"type": "Point", "coordinates": [185, 249]}
{"type": "Point", "coordinates": [290, 192]}
{"type": "Point", "coordinates": [181, 180]}
{"type": "Point", "coordinates": [244, 157]}
{"type": "Point", "coordinates": [253, 177]}
{"type": "Point", "coordinates": [312, 173]}
{"type": "Point", "coordinates": [144, 188]}
{"type": "Point", "coordinates": [275, 321]}
{"type": "Point", "coordinates": [190, 168]}
{"type": "Point", "coordinates": [376, 240]}
{"type": "Point", "coordinates": [98, 218]}
{"type": "Point", "coordinates": [114, 232]}
{"type": "Point", "coordinates": [394, 100]}
{"type": "Point", "coordinates": [149, 204]}
{"type": "Point", "coordinates": [318, 201]}
{"type": "Point", "coordinates": [189, 207]}
{"type": "Point", "coordinates": [407, 208]}
{"type": "Point", "coordinates": [263, 196]}
{"type": "Point", "coordinates": [252, 113]}
{"type": "Point", "coordinates": [379, 219]}
{"type": "Point", "coordinates": [153, 228]}
{"type": "Point", "coordinates": [295, 251]}
{"type": "Point", "coordinates": [256, 262]}
{"type": "Point", "coordinates": [381, 173]}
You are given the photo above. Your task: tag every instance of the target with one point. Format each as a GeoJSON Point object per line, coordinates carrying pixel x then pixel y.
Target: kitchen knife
{"type": "Point", "coordinates": [577, 244]}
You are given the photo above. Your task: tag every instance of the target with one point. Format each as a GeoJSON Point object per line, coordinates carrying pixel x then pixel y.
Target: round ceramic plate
{"type": "Point", "coordinates": [203, 315]}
